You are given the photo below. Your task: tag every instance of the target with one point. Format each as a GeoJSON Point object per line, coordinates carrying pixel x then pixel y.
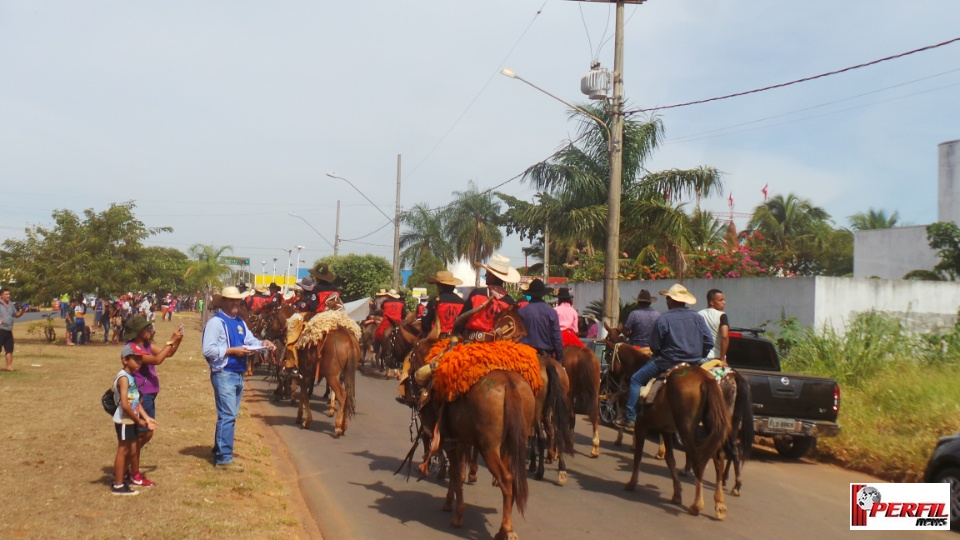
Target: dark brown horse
{"type": "Point", "coordinates": [690, 398]}
{"type": "Point", "coordinates": [736, 448]}
{"type": "Point", "coordinates": [553, 427]}
{"type": "Point", "coordinates": [583, 369]}
{"type": "Point", "coordinates": [338, 354]}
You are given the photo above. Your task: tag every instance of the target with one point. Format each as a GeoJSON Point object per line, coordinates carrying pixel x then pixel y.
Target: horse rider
{"type": "Point", "coordinates": [679, 335]}
{"type": "Point", "coordinates": [325, 289]}
{"type": "Point", "coordinates": [640, 323]}
{"type": "Point", "coordinates": [445, 306]}
{"type": "Point", "coordinates": [568, 316]}
{"type": "Point", "coordinates": [307, 302]}
{"type": "Point", "coordinates": [499, 272]}
{"type": "Point", "coordinates": [543, 325]}
{"type": "Point", "coordinates": [258, 300]}
{"type": "Point", "coordinates": [394, 309]}
{"type": "Point", "coordinates": [422, 306]}
{"type": "Point", "coordinates": [275, 298]}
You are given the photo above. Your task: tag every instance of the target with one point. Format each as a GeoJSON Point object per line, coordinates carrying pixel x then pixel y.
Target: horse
{"type": "Point", "coordinates": [367, 331]}
{"type": "Point", "coordinates": [739, 443]}
{"type": "Point", "coordinates": [493, 418]}
{"type": "Point", "coordinates": [553, 427]}
{"type": "Point", "coordinates": [338, 353]}
{"type": "Point", "coordinates": [583, 369]}
{"type": "Point", "coordinates": [689, 397]}
{"type": "Point", "coordinates": [624, 361]}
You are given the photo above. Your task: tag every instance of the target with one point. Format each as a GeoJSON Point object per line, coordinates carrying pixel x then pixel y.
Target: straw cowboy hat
{"type": "Point", "coordinates": [564, 294]}
{"type": "Point", "coordinates": [306, 284]}
{"type": "Point", "coordinates": [537, 289]}
{"type": "Point", "coordinates": [424, 297]}
{"type": "Point", "coordinates": [134, 326]}
{"type": "Point", "coordinates": [445, 277]}
{"type": "Point", "coordinates": [229, 292]}
{"type": "Point", "coordinates": [679, 293]}
{"type": "Point", "coordinates": [644, 297]}
{"type": "Point", "coordinates": [321, 272]}
{"type": "Point", "coordinates": [499, 266]}
{"type": "Point", "coordinates": [381, 292]}
{"type": "Point", "coordinates": [392, 293]}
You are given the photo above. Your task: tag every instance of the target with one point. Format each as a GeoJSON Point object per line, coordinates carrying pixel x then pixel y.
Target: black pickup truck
{"type": "Point", "coordinates": [792, 409]}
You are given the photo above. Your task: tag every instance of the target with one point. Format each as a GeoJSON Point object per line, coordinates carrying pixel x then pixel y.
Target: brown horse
{"type": "Point", "coordinates": [553, 427]}
{"type": "Point", "coordinates": [583, 369]}
{"type": "Point", "coordinates": [736, 448]}
{"type": "Point", "coordinates": [690, 397]}
{"type": "Point", "coordinates": [624, 361]}
{"type": "Point", "coordinates": [366, 342]}
{"type": "Point", "coordinates": [338, 353]}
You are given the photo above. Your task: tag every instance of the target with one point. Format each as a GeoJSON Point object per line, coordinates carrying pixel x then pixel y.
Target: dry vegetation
{"type": "Point", "coordinates": [58, 447]}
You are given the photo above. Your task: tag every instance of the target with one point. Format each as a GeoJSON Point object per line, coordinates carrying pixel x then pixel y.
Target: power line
{"type": "Point", "coordinates": [797, 81]}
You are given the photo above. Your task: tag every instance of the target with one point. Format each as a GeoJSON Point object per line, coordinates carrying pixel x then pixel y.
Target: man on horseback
{"type": "Point", "coordinates": [326, 292]}
{"type": "Point", "coordinates": [543, 325]}
{"type": "Point", "coordinates": [718, 324]}
{"type": "Point", "coordinates": [679, 335]}
{"type": "Point", "coordinates": [445, 306]}
{"type": "Point", "coordinates": [640, 322]}
{"type": "Point", "coordinates": [499, 272]}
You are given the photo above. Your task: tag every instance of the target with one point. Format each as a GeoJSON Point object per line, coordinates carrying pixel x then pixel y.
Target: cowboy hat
{"type": "Point", "coordinates": [134, 326]}
{"type": "Point", "coordinates": [644, 297]}
{"type": "Point", "coordinates": [381, 292]}
{"type": "Point", "coordinates": [537, 289]}
{"type": "Point", "coordinates": [274, 286]}
{"type": "Point", "coordinates": [499, 266]}
{"type": "Point", "coordinates": [261, 290]}
{"type": "Point", "coordinates": [321, 272]}
{"type": "Point", "coordinates": [228, 292]}
{"type": "Point", "coordinates": [679, 293]}
{"type": "Point", "coordinates": [392, 293]}
{"type": "Point", "coordinates": [564, 294]}
{"type": "Point", "coordinates": [306, 284]}
{"type": "Point", "coordinates": [445, 277]}
{"type": "Point", "coordinates": [424, 297]}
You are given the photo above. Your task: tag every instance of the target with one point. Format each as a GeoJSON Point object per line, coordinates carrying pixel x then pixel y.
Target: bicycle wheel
{"type": "Point", "coordinates": [51, 335]}
{"type": "Point", "coordinates": [608, 404]}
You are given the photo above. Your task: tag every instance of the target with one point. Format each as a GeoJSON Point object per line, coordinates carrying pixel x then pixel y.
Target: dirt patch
{"type": "Point", "coordinates": [58, 447]}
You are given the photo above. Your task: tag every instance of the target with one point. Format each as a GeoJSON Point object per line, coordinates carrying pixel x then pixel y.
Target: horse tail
{"type": "Point", "coordinates": [716, 418]}
{"type": "Point", "coordinates": [350, 375]}
{"type": "Point", "coordinates": [742, 420]}
{"type": "Point", "coordinates": [588, 378]}
{"type": "Point", "coordinates": [559, 406]}
{"type": "Point", "coordinates": [515, 436]}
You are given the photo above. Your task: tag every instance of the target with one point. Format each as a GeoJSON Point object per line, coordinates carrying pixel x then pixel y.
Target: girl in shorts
{"type": "Point", "coordinates": [129, 415]}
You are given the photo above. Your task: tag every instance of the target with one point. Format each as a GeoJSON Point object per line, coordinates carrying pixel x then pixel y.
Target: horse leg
{"type": "Point", "coordinates": [501, 472]}
{"type": "Point", "coordinates": [619, 440]}
{"type": "Point", "coordinates": [339, 394]}
{"type": "Point", "coordinates": [541, 448]}
{"type": "Point", "coordinates": [718, 502]}
{"type": "Point", "coordinates": [455, 487]}
{"type": "Point", "coordinates": [697, 505]}
{"type": "Point", "coordinates": [638, 435]}
{"type": "Point", "coordinates": [595, 420]}
{"type": "Point", "coordinates": [562, 476]}
{"type": "Point", "coordinates": [662, 451]}
{"type": "Point", "coordinates": [474, 465]}
{"type": "Point", "coordinates": [671, 460]}
{"type": "Point", "coordinates": [332, 409]}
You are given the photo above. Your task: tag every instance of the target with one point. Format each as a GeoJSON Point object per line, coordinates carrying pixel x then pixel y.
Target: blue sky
{"type": "Point", "coordinates": [220, 118]}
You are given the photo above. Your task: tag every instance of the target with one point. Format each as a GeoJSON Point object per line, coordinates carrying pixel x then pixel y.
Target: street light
{"type": "Point", "coordinates": [395, 220]}
{"type": "Point", "coordinates": [301, 218]}
{"type": "Point", "coordinates": [611, 267]}
{"type": "Point", "coordinates": [296, 275]}
{"type": "Point", "coordinates": [274, 269]}
{"type": "Point", "coordinates": [286, 273]}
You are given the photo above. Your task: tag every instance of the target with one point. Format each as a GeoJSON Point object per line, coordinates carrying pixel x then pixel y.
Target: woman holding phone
{"type": "Point", "coordinates": [139, 330]}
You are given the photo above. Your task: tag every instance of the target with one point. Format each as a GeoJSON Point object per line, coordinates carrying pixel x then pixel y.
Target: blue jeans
{"type": "Point", "coordinates": [642, 376]}
{"type": "Point", "coordinates": [227, 391]}
{"type": "Point", "coordinates": [106, 329]}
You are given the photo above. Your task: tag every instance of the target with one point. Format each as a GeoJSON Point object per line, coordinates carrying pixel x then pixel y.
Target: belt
{"type": "Point", "coordinates": [484, 337]}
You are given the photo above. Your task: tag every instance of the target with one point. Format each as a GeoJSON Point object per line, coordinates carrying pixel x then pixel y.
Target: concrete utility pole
{"type": "Point", "coordinates": [336, 238]}
{"type": "Point", "coordinates": [396, 234]}
{"type": "Point", "coordinates": [546, 254]}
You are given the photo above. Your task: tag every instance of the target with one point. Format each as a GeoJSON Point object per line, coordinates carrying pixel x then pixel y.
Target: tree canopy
{"type": "Point", "coordinates": [360, 276]}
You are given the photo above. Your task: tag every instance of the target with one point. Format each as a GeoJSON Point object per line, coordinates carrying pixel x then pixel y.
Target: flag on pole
{"type": "Point", "coordinates": [731, 199]}
{"type": "Point", "coordinates": [764, 191]}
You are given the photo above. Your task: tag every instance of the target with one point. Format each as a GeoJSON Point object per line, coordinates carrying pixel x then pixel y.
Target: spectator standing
{"type": "Point", "coordinates": [79, 322]}
{"type": "Point", "coordinates": [64, 305]}
{"type": "Point", "coordinates": [128, 416]}
{"type": "Point", "coordinates": [8, 312]}
{"type": "Point", "coordinates": [69, 322]}
{"type": "Point", "coordinates": [718, 323]}
{"type": "Point", "coordinates": [226, 342]}
{"type": "Point", "coordinates": [97, 312]}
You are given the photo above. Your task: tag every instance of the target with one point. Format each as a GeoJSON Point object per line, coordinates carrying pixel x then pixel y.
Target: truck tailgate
{"type": "Point", "coordinates": [791, 396]}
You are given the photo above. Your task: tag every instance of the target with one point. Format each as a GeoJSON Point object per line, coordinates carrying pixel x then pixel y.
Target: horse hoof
{"type": "Point", "coordinates": [337, 433]}
{"type": "Point", "coordinates": [447, 507]}
{"type": "Point", "coordinates": [472, 479]}
{"type": "Point", "coordinates": [630, 486]}
{"type": "Point", "coordinates": [676, 500]}
{"type": "Point", "coordinates": [305, 425]}
{"type": "Point", "coordinates": [721, 513]}
{"type": "Point", "coordinates": [595, 453]}
{"type": "Point", "coordinates": [562, 478]}
{"type": "Point", "coordinates": [735, 492]}
{"type": "Point", "coordinates": [457, 522]}
{"type": "Point", "coordinates": [506, 536]}
{"type": "Point", "coordinates": [328, 413]}
{"type": "Point", "coordinates": [694, 511]}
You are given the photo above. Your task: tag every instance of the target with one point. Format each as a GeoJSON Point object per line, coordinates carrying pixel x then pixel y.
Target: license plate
{"type": "Point", "coordinates": [781, 424]}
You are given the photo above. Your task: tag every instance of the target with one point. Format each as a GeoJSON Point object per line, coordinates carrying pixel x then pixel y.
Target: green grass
{"type": "Point", "coordinates": [900, 391]}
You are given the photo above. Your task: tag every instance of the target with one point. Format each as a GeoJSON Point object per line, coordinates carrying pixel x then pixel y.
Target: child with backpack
{"type": "Point", "coordinates": [128, 416]}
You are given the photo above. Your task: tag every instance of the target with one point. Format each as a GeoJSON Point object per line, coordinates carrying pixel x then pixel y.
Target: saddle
{"type": "Point", "coordinates": [649, 392]}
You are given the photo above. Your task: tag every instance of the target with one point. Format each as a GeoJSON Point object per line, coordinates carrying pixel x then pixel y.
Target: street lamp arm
{"type": "Point", "coordinates": [510, 73]}
{"type": "Point", "coordinates": [332, 175]}
{"type": "Point", "coordinates": [301, 218]}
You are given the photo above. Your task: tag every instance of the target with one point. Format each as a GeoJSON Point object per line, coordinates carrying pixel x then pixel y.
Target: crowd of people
{"type": "Point", "coordinates": [110, 314]}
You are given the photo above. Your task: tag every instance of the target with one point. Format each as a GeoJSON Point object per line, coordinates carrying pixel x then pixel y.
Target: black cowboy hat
{"type": "Point", "coordinates": [321, 272]}
{"type": "Point", "coordinates": [537, 289]}
{"type": "Point", "coordinates": [644, 297]}
{"type": "Point", "coordinates": [274, 286]}
{"type": "Point", "coordinates": [564, 294]}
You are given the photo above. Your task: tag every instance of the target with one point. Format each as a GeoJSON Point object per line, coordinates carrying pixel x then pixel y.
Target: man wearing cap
{"type": "Point", "coordinates": [543, 325]}
{"type": "Point", "coordinates": [499, 272]}
{"type": "Point", "coordinates": [226, 343]}
{"type": "Point", "coordinates": [640, 322]}
{"type": "Point", "coordinates": [679, 335]}
{"type": "Point", "coordinates": [445, 307]}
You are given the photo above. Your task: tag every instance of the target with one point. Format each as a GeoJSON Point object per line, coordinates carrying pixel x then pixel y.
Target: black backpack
{"type": "Point", "coordinates": [109, 404]}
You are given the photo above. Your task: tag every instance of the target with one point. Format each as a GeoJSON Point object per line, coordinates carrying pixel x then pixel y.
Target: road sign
{"type": "Point", "coordinates": [236, 261]}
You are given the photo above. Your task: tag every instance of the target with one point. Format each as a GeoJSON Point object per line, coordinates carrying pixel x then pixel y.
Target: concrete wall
{"type": "Point", "coordinates": [948, 181]}
{"type": "Point", "coordinates": [814, 302]}
{"type": "Point", "coordinates": [891, 253]}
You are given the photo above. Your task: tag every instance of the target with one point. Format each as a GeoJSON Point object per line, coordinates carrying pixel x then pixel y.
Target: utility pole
{"type": "Point", "coordinates": [546, 255]}
{"type": "Point", "coordinates": [336, 238]}
{"type": "Point", "coordinates": [396, 234]}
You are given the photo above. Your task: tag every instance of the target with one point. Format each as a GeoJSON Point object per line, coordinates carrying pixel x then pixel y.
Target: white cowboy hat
{"type": "Point", "coordinates": [680, 293]}
{"type": "Point", "coordinates": [229, 292]}
{"type": "Point", "coordinates": [500, 267]}
{"type": "Point", "coordinates": [392, 293]}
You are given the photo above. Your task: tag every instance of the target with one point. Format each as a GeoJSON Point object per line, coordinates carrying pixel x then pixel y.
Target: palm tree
{"type": "Point", "coordinates": [473, 229]}
{"type": "Point", "coordinates": [796, 226]}
{"type": "Point", "coordinates": [425, 233]}
{"type": "Point", "coordinates": [206, 271]}
{"type": "Point", "coordinates": [873, 219]}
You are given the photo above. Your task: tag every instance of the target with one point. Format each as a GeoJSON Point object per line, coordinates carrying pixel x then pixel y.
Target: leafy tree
{"type": "Point", "coordinates": [98, 252]}
{"type": "Point", "coordinates": [795, 225]}
{"type": "Point", "coordinates": [473, 222]}
{"type": "Point", "coordinates": [944, 236]}
{"type": "Point", "coordinates": [873, 219]}
{"type": "Point", "coordinates": [360, 276]}
{"type": "Point", "coordinates": [425, 235]}
{"type": "Point", "coordinates": [206, 272]}
{"type": "Point", "coordinates": [426, 267]}
{"type": "Point", "coordinates": [166, 270]}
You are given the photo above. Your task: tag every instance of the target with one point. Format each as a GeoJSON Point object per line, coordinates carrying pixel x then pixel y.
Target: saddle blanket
{"type": "Point", "coordinates": [458, 369]}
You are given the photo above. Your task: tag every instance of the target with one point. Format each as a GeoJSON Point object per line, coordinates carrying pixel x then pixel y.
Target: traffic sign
{"type": "Point", "coordinates": [236, 261]}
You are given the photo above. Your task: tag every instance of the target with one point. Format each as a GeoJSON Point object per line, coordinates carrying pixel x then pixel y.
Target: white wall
{"type": "Point", "coordinates": [948, 181]}
{"type": "Point", "coordinates": [891, 253]}
{"type": "Point", "coordinates": [922, 305]}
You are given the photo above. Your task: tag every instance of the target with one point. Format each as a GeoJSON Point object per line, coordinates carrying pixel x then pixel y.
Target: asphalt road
{"type": "Point", "coordinates": [351, 488]}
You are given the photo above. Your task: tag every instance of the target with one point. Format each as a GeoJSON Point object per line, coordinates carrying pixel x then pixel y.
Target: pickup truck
{"type": "Point", "coordinates": [792, 409]}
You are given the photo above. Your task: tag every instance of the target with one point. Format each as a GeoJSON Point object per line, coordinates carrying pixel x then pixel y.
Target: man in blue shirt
{"type": "Point", "coordinates": [680, 335]}
{"type": "Point", "coordinates": [226, 343]}
{"type": "Point", "coordinates": [543, 325]}
{"type": "Point", "coordinates": [640, 322]}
